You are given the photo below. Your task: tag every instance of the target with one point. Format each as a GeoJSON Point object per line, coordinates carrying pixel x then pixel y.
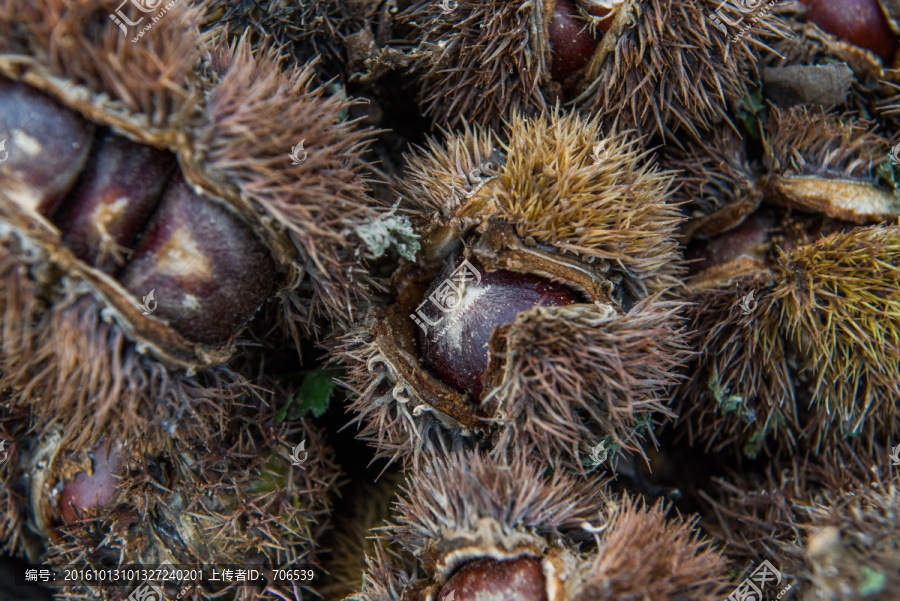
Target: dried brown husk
{"type": "Point", "coordinates": [663, 66]}
{"type": "Point", "coordinates": [718, 186]}
{"type": "Point", "coordinates": [825, 163]}
{"type": "Point", "coordinates": [468, 507]}
{"type": "Point", "coordinates": [827, 521]}
{"type": "Point", "coordinates": [816, 358]}
{"type": "Point", "coordinates": [236, 501]}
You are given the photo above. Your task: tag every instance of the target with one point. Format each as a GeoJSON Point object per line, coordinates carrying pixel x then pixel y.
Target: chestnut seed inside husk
{"type": "Point", "coordinates": [571, 42]}
{"type": "Point", "coordinates": [456, 348]}
{"type": "Point", "coordinates": [859, 22]}
{"type": "Point", "coordinates": [96, 489]}
{"type": "Point", "coordinates": [488, 579]}
{"type": "Point", "coordinates": [117, 192]}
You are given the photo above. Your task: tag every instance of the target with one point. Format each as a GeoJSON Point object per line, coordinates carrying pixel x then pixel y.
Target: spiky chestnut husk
{"type": "Point", "coordinates": [14, 532]}
{"type": "Point", "coordinates": [304, 29]}
{"type": "Point", "coordinates": [817, 357]}
{"type": "Point", "coordinates": [558, 378]}
{"type": "Point", "coordinates": [798, 366]}
{"type": "Point", "coordinates": [351, 540]}
{"type": "Point", "coordinates": [813, 162]}
{"type": "Point", "coordinates": [719, 186]}
{"type": "Point", "coordinates": [234, 501]}
{"type": "Point", "coordinates": [655, 65]}
{"type": "Point", "coordinates": [76, 347]}
{"type": "Point", "coordinates": [863, 33]}
{"type": "Point", "coordinates": [869, 83]}
{"type": "Point", "coordinates": [830, 522]}
{"type": "Point", "coordinates": [483, 529]}
{"type": "Point", "coordinates": [825, 163]}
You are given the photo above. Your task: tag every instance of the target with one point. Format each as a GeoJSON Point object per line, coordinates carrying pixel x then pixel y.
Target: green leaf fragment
{"type": "Point", "coordinates": [313, 396]}
{"type": "Point", "coordinates": [873, 581]}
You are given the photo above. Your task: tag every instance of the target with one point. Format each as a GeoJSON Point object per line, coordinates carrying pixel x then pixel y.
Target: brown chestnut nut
{"type": "Point", "coordinates": [571, 42]}
{"type": "Point", "coordinates": [458, 351]}
{"type": "Point", "coordinates": [92, 489]}
{"type": "Point", "coordinates": [470, 528]}
{"type": "Point", "coordinates": [860, 22]}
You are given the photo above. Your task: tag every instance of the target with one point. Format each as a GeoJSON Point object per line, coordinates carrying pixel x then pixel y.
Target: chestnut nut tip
{"type": "Point", "coordinates": [96, 489]}
{"type": "Point", "coordinates": [488, 579]}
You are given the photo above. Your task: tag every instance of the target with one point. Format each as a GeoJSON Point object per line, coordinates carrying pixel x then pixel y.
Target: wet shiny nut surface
{"type": "Point", "coordinates": [519, 579]}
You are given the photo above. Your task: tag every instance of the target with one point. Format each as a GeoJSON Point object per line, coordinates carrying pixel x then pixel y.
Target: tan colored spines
{"type": "Point", "coordinates": [470, 496]}
{"type": "Point", "coordinates": [598, 196]}
{"type": "Point", "coordinates": [643, 555]}
{"type": "Point", "coordinates": [822, 336]}
{"type": "Point", "coordinates": [808, 141]}
{"type": "Point", "coordinates": [479, 61]}
{"type": "Point", "coordinates": [75, 39]}
{"type": "Point", "coordinates": [317, 202]}
{"type": "Point", "coordinates": [550, 187]}
{"type": "Point", "coordinates": [843, 314]}
{"type": "Point", "coordinates": [435, 175]}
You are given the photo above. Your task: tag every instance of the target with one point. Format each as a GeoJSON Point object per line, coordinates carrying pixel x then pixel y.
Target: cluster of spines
{"type": "Point", "coordinates": [470, 501]}
{"type": "Point", "coordinates": [212, 502]}
{"type": "Point", "coordinates": [808, 141]}
{"type": "Point", "coordinates": [462, 51]}
{"type": "Point", "coordinates": [828, 520]}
